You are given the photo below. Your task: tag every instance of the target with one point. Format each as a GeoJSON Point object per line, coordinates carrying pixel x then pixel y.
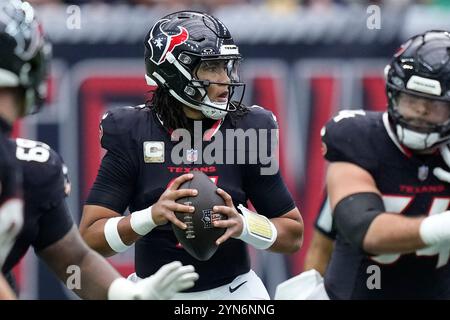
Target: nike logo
{"type": "Point", "coordinates": [237, 287]}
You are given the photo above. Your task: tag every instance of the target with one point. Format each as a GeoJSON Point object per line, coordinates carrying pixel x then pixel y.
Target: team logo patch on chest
{"type": "Point", "coordinates": [153, 151]}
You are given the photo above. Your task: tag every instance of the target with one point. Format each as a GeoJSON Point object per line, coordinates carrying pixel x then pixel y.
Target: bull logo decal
{"type": "Point", "coordinates": [161, 43]}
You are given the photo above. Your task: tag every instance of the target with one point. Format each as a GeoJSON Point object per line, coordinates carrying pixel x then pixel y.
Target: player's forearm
{"type": "Point", "coordinates": [96, 277]}
{"type": "Point", "coordinates": [319, 253]}
{"type": "Point", "coordinates": [119, 230]}
{"type": "Point", "coordinates": [95, 238]}
{"type": "Point", "coordinates": [6, 293]}
{"type": "Point", "coordinates": [78, 267]}
{"type": "Point", "coordinates": [290, 234]}
{"type": "Point", "coordinates": [317, 261]}
{"type": "Point", "coordinates": [393, 233]}
{"type": "Point", "coordinates": [94, 235]}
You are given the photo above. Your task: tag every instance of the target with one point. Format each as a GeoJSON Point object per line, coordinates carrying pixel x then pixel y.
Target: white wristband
{"type": "Point", "coordinates": [123, 289]}
{"type": "Point", "coordinates": [112, 235]}
{"type": "Point", "coordinates": [435, 229]}
{"type": "Point", "coordinates": [142, 221]}
{"type": "Point", "coordinates": [258, 230]}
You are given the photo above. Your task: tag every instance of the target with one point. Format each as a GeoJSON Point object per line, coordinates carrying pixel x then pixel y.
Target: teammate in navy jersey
{"type": "Point", "coordinates": [48, 226]}
{"type": "Point", "coordinates": [44, 187]}
{"type": "Point", "coordinates": [11, 204]}
{"type": "Point", "coordinates": [388, 183]}
{"type": "Point", "coordinates": [193, 60]}
{"type": "Point", "coordinates": [49, 229]}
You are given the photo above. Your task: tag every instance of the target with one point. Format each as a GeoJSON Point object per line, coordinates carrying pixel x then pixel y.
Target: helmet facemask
{"type": "Point", "coordinates": [418, 133]}
{"type": "Point", "coordinates": [197, 89]}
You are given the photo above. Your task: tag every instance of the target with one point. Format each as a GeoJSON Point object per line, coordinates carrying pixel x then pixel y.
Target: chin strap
{"type": "Point", "coordinates": [416, 140]}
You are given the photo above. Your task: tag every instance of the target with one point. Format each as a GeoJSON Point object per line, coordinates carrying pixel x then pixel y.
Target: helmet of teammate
{"type": "Point", "coordinates": [174, 49]}
{"type": "Point", "coordinates": [421, 68]}
{"type": "Point", "coordinates": [24, 53]}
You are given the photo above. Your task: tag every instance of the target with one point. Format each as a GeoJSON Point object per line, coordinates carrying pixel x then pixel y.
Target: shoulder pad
{"type": "Point", "coordinates": [117, 124]}
{"type": "Point", "coordinates": [259, 117]}
{"type": "Point", "coordinates": [347, 137]}
{"type": "Point", "coordinates": [45, 176]}
{"type": "Point", "coordinates": [120, 120]}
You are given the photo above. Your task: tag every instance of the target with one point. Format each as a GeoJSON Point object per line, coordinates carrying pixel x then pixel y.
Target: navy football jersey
{"type": "Point", "coordinates": [138, 166]}
{"type": "Point", "coordinates": [45, 187]}
{"type": "Point", "coordinates": [408, 187]}
{"type": "Point", "coordinates": [11, 205]}
{"type": "Point", "coordinates": [324, 220]}
{"type": "Point", "coordinates": [10, 174]}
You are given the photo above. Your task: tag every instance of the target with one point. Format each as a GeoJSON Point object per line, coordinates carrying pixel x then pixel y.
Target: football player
{"type": "Point", "coordinates": [388, 183]}
{"type": "Point", "coordinates": [193, 60]}
{"type": "Point", "coordinates": [11, 204]}
{"type": "Point", "coordinates": [48, 226]}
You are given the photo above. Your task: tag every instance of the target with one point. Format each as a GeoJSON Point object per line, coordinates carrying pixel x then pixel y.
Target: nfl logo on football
{"type": "Point", "coordinates": [207, 218]}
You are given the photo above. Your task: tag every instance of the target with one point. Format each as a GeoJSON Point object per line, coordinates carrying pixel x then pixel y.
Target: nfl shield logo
{"type": "Point", "coordinates": [422, 174]}
{"type": "Point", "coordinates": [207, 218]}
{"type": "Point", "coordinates": [191, 155]}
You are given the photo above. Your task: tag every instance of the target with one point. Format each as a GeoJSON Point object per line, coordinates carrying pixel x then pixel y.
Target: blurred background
{"type": "Point", "coordinates": [304, 60]}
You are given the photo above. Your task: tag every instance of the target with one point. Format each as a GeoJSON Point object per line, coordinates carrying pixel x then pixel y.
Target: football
{"type": "Point", "coordinates": [200, 236]}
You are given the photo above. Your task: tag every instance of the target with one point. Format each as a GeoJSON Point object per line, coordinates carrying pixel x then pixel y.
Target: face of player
{"type": "Point", "coordinates": [12, 102]}
{"type": "Point", "coordinates": [215, 71]}
{"type": "Point", "coordinates": [220, 73]}
{"type": "Point", "coordinates": [422, 113]}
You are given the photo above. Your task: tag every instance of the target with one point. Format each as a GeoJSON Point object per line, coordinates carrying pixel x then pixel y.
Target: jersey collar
{"type": "Point", "coordinates": [207, 136]}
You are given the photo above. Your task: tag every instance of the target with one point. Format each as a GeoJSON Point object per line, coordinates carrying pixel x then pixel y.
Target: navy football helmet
{"type": "Point", "coordinates": [174, 49]}
{"type": "Point", "coordinates": [24, 53]}
{"type": "Point", "coordinates": [421, 68]}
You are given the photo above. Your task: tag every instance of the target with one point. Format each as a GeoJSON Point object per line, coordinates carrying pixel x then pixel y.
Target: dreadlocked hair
{"type": "Point", "coordinates": [171, 113]}
{"type": "Point", "coordinates": [169, 109]}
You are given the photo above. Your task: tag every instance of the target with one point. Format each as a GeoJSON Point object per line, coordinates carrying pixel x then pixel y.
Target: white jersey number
{"type": "Point", "coordinates": [399, 203]}
{"type": "Point", "coordinates": [29, 150]}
